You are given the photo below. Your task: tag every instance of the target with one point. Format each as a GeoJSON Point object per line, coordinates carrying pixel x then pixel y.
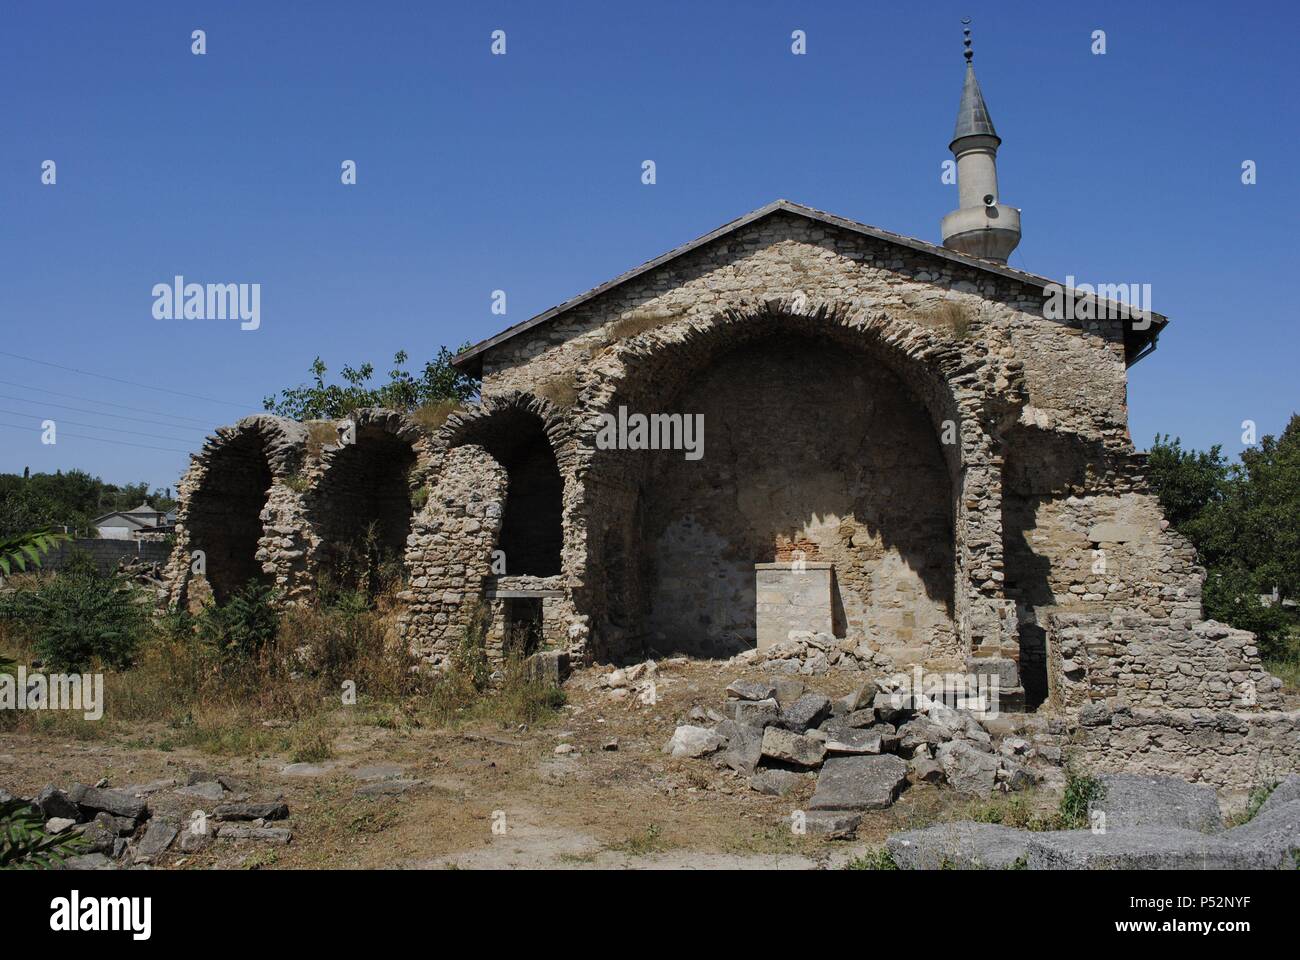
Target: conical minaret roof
{"type": "Point", "coordinates": [973, 115]}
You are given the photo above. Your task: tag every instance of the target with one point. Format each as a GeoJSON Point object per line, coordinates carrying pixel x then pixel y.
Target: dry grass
{"type": "Point", "coordinates": [321, 434]}
{"type": "Point", "coordinates": [949, 315]}
{"type": "Point", "coordinates": [561, 390]}
{"type": "Point", "coordinates": [637, 322]}
{"type": "Point", "coordinates": [431, 416]}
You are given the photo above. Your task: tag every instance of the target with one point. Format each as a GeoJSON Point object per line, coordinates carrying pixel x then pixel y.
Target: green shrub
{"type": "Point", "coordinates": [1080, 793]}
{"type": "Point", "coordinates": [73, 620]}
{"type": "Point", "coordinates": [245, 624]}
{"type": "Point", "coordinates": [1232, 597]}
{"type": "Point", "coordinates": [24, 844]}
{"type": "Point", "coordinates": [878, 859]}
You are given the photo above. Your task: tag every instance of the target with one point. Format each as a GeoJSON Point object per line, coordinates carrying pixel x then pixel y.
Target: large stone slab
{"type": "Point", "coordinates": [1133, 801]}
{"type": "Point", "coordinates": [1273, 836]}
{"type": "Point", "coordinates": [848, 740]}
{"type": "Point", "coordinates": [859, 783]}
{"type": "Point", "coordinates": [1148, 848]}
{"type": "Point", "coordinates": [960, 846]}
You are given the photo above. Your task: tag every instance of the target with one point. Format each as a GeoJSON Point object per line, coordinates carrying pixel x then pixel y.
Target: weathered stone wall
{"type": "Point", "coordinates": [449, 553]}
{"type": "Point", "coordinates": [1232, 751]}
{"type": "Point", "coordinates": [1154, 662]}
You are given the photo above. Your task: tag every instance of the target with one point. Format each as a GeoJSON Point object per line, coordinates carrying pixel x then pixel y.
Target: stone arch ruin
{"type": "Point", "coordinates": [221, 522]}
{"type": "Point", "coordinates": [904, 421]}
{"type": "Point", "coordinates": [360, 504]}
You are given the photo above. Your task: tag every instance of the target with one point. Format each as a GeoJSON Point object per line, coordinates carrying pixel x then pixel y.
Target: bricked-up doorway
{"type": "Point", "coordinates": [363, 508]}
{"type": "Point", "coordinates": [805, 442]}
{"type": "Point", "coordinates": [224, 515]}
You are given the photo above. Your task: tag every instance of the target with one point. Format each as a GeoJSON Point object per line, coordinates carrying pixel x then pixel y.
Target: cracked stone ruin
{"type": "Point", "coordinates": [909, 467]}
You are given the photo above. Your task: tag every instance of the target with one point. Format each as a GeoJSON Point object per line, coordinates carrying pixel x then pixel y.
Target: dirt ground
{"type": "Point", "coordinates": [494, 797]}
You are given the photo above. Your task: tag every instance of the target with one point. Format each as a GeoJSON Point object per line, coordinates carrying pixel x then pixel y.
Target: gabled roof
{"type": "Point", "coordinates": [1137, 343]}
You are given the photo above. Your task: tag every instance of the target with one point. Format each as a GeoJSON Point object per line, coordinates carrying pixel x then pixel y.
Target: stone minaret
{"type": "Point", "coordinates": [980, 226]}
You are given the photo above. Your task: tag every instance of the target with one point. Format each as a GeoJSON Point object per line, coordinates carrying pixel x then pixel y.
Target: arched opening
{"type": "Point", "coordinates": [224, 515]}
{"type": "Point", "coordinates": [532, 529]}
{"type": "Point", "coordinates": [823, 432]}
{"type": "Point", "coordinates": [810, 453]}
{"type": "Point", "coordinates": [363, 505]}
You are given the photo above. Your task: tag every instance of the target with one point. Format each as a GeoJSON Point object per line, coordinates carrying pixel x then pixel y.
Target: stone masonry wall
{"type": "Point", "coordinates": [449, 553]}
{"type": "Point", "coordinates": [1232, 751]}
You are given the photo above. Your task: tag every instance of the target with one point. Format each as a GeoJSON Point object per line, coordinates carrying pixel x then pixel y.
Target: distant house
{"type": "Point", "coordinates": [141, 523]}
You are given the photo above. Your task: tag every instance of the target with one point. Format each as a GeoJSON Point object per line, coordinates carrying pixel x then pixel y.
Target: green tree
{"type": "Point", "coordinates": [1187, 481]}
{"type": "Point", "coordinates": [1244, 520]}
{"type": "Point", "coordinates": [318, 400]}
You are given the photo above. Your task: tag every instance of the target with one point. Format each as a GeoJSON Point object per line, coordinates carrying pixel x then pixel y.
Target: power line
{"type": "Point", "coordinates": [96, 426]}
{"type": "Point", "coordinates": [131, 383]}
{"type": "Point", "coordinates": [120, 443]}
{"type": "Point", "coordinates": [107, 403]}
{"type": "Point", "coordinates": [115, 416]}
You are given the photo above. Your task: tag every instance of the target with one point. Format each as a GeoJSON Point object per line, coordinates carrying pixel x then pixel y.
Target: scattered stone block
{"type": "Point", "coordinates": [786, 746]}
{"type": "Point", "coordinates": [968, 769]}
{"type": "Point", "coordinates": [853, 741]}
{"type": "Point", "coordinates": [788, 689]}
{"type": "Point", "coordinates": [209, 790]}
{"type": "Point", "coordinates": [744, 746]}
{"type": "Point", "coordinates": [157, 838]}
{"type": "Point", "coordinates": [808, 711]}
{"type": "Point", "coordinates": [93, 800]}
{"type": "Point", "coordinates": [859, 783]}
{"type": "Point", "coordinates": [54, 803]}
{"type": "Point", "coordinates": [688, 741]}
{"type": "Point", "coordinates": [759, 713]}
{"type": "Point", "coordinates": [549, 667]}
{"type": "Point", "coordinates": [775, 782]}
{"type": "Point", "coordinates": [751, 690]}
{"type": "Point", "coordinates": [832, 824]}
{"type": "Point", "coordinates": [89, 861]}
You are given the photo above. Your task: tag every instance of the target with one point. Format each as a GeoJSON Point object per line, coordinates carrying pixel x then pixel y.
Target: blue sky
{"type": "Point", "coordinates": [522, 172]}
